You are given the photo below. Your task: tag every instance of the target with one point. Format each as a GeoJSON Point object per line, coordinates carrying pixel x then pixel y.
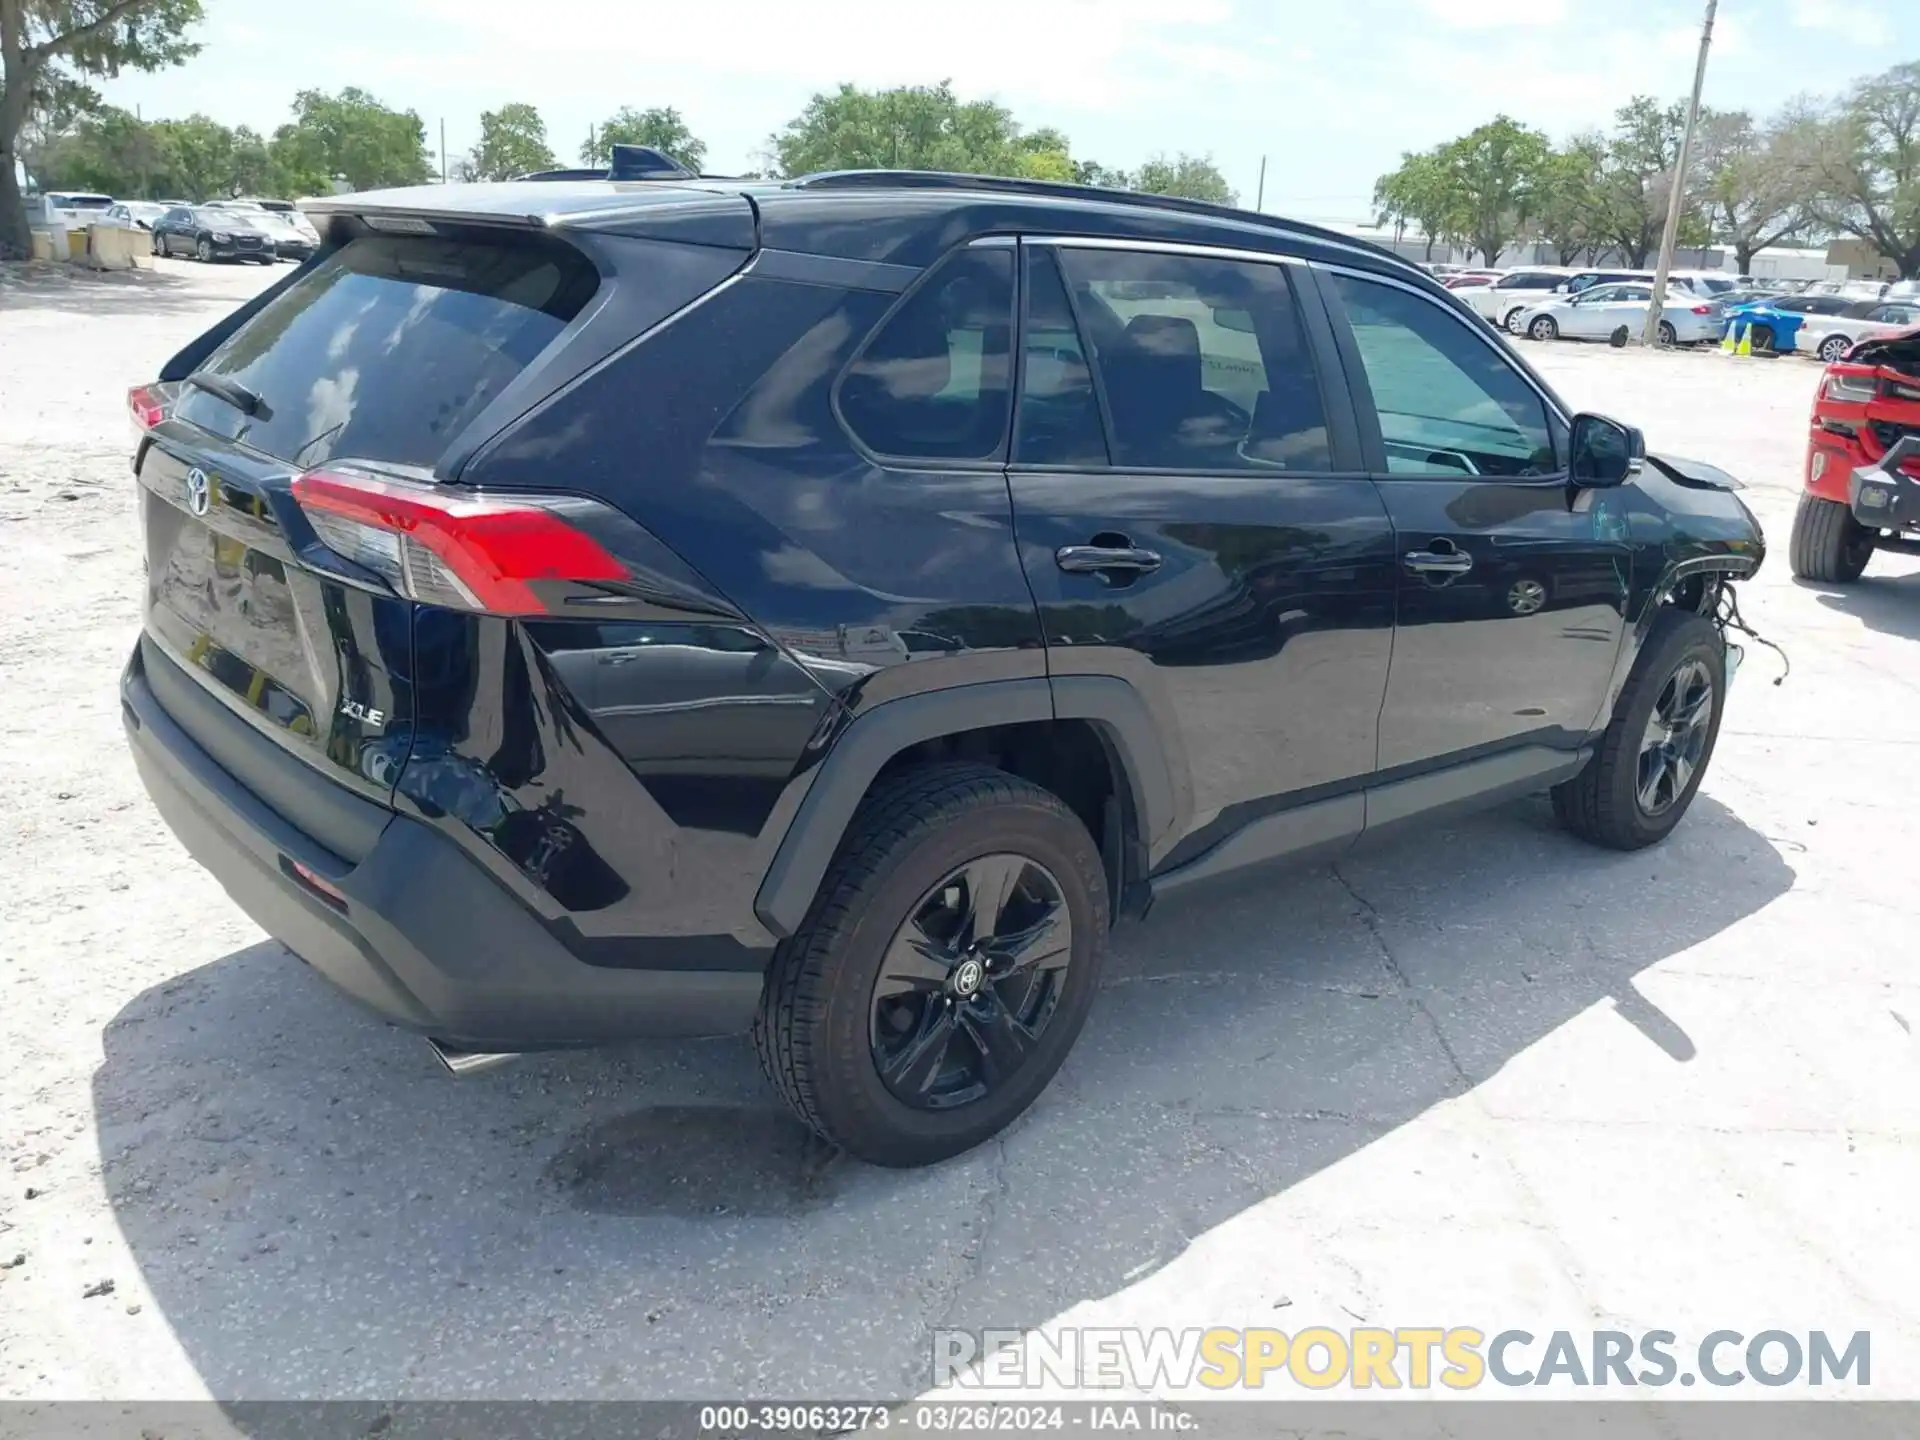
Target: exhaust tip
{"type": "Point", "coordinates": [463, 1064]}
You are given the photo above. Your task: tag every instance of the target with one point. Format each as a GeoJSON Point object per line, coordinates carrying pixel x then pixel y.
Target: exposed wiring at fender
{"type": "Point", "coordinates": [1727, 615]}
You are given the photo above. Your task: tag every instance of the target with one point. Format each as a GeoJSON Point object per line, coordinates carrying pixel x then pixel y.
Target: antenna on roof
{"type": "Point", "coordinates": [643, 162]}
{"type": "Point", "coordinates": [630, 162]}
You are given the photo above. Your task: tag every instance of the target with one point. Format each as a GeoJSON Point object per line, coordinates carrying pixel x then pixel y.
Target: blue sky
{"type": "Point", "coordinates": [1330, 91]}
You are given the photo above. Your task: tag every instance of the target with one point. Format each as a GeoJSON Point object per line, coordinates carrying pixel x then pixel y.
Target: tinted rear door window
{"type": "Point", "coordinates": [1059, 415]}
{"type": "Point", "coordinates": [391, 345]}
{"type": "Point", "coordinates": [933, 382]}
{"type": "Point", "coordinates": [1204, 362]}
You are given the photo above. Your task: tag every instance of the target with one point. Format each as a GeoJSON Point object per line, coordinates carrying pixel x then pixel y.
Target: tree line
{"type": "Point", "coordinates": [1815, 169]}
{"type": "Point", "coordinates": [353, 136]}
{"type": "Point", "coordinates": [66, 137]}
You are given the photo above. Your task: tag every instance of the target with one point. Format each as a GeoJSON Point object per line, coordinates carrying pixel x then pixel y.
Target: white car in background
{"type": "Point", "coordinates": [1504, 300]}
{"type": "Point", "coordinates": [134, 214]}
{"type": "Point", "coordinates": [1597, 312]}
{"type": "Point", "coordinates": [1831, 336]}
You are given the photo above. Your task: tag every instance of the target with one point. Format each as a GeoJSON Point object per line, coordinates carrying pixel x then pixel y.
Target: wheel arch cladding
{"type": "Point", "coordinates": [1141, 773]}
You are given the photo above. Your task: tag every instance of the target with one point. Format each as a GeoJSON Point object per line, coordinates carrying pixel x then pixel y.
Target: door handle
{"type": "Point", "coordinates": [1439, 562]}
{"type": "Point", "coordinates": [1089, 559]}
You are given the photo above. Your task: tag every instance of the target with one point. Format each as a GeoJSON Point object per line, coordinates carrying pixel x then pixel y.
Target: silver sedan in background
{"type": "Point", "coordinates": [1599, 312]}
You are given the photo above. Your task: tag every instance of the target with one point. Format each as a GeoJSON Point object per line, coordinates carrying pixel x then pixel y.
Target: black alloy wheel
{"type": "Point", "coordinates": [1675, 739]}
{"type": "Point", "coordinates": [970, 982]}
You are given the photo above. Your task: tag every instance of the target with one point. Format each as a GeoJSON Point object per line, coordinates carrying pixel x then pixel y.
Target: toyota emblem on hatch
{"type": "Point", "coordinates": [199, 491]}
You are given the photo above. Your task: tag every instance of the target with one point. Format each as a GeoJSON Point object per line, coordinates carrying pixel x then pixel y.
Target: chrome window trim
{"type": "Point", "coordinates": [1163, 247]}
{"type": "Point", "coordinates": [1491, 342]}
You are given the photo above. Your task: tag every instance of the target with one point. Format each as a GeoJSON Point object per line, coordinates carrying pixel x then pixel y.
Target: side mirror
{"type": "Point", "coordinates": [1605, 452]}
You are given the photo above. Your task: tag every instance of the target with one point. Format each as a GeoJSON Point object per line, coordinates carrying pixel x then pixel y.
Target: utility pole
{"type": "Point", "coordinates": [1260, 194]}
{"type": "Point", "coordinates": [1676, 200]}
{"type": "Point", "coordinates": [443, 149]}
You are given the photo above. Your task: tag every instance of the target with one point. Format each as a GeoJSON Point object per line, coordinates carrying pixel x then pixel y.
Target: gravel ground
{"type": "Point", "coordinates": [1485, 1077]}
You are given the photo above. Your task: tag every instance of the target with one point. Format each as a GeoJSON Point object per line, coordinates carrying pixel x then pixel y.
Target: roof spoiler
{"type": "Point", "coordinates": [630, 162]}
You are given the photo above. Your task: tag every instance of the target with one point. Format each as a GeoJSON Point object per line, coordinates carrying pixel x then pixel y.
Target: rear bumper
{"type": "Point", "coordinates": [416, 931]}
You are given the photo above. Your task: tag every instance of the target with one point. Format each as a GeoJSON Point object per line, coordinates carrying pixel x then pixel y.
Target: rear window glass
{"type": "Point", "coordinates": [391, 345]}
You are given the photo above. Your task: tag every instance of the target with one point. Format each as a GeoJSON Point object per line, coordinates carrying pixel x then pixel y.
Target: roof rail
{"type": "Point", "coordinates": [947, 180]}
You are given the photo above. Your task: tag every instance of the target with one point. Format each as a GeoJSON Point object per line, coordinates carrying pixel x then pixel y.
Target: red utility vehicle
{"type": "Point", "coordinates": [1863, 462]}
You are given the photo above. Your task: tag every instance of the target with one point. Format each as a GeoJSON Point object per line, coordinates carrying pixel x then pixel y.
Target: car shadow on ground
{"type": "Point", "coordinates": [76, 290]}
{"type": "Point", "coordinates": [1887, 603]}
{"type": "Point", "coordinates": [320, 1213]}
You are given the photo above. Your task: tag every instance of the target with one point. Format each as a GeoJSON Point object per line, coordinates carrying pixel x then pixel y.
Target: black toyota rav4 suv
{"type": "Point", "coordinates": [579, 611]}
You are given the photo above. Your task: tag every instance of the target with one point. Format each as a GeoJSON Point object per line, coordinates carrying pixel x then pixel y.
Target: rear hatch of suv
{"type": "Point", "coordinates": [378, 355]}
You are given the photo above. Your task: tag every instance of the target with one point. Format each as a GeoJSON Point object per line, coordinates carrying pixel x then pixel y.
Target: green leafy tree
{"type": "Point", "coordinates": [1494, 177]}
{"type": "Point", "coordinates": [1420, 192]}
{"type": "Point", "coordinates": [198, 157]}
{"type": "Point", "coordinates": [914, 127]}
{"type": "Point", "coordinates": [513, 141]}
{"type": "Point", "coordinates": [351, 135]}
{"type": "Point", "coordinates": [1567, 210]}
{"type": "Point", "coordinates": [662, 127]}
{"type": "Point", "coordinates": [1190, 177]}
{"type": "Point", "coordinates": [44, 42]}
{"type": "Point", "coordinates": [1092, 172]}
{"type": "Point", "coordinates": [108, 150]}
{"type": "Point", "coordinates": [252, 168]}
{"type": "Point", "coordinates": [1755, 188]}
{"type": "Point", "coordinates": [1864, 156]}
{"type": "Point", "coordinates": [1642, 156]}
{"type": "Point", "coordinates": [55, 108]}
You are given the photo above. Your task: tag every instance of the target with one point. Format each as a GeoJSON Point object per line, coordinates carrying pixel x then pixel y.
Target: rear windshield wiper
{"type": "Point", "coordinates": [246, 401]}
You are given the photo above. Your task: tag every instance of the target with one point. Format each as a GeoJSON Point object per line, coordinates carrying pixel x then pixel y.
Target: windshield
{"type": "Point", "coordinates": [79, 202]}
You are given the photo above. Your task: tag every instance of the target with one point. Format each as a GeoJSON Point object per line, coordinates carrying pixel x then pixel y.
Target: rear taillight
{"type": "Point", "coordinates": [145, 408]}
{"type": "Point", "coordinates": [1703, 309]}
{"type": "Point", "coordinates": [1851, 384]}
{"type": "Point", "coordinates": [465, 552]}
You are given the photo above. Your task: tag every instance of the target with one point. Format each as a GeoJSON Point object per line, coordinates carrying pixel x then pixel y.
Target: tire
{"type": "Point", "coordinates": [155, 244]}
{"type": "Point", "coordinates": [1544, 328]}
{"type": "Point", "coordinates": [204, 251]}
{"type": "Point", "coordinates": [1668, 335]}
{"type": "Point", "coordinates": [1604, 803]}
{"type": "Point", "coordinates": [1834, 347]}
{"type": "Point", "coordinates": [1760, 338]}
{"type": "Point", "coordinates": [819, 1031]}
{"type": "Point", "coordinates": [1828, 544]}
{"type": "Point", "coordinates": [1511, 324]}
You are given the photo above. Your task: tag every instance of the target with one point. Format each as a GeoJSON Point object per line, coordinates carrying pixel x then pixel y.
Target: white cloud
{"type": "Point", "coordinates": [1839, 17]}
{"type": "Point", "coordinates": [1496, 14]}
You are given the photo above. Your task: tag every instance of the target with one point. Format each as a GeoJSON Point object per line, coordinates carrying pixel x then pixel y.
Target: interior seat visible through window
{"type": "Point", "coordinates": [1203, 361]}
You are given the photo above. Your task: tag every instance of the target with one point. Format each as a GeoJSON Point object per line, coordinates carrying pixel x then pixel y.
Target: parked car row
{"type": "Point", "coordinates": [1826, 326]}
{"type": "Point", "coordinates": [1600, 311]}
{"type": "Point", "coordinates": [249, 229]}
